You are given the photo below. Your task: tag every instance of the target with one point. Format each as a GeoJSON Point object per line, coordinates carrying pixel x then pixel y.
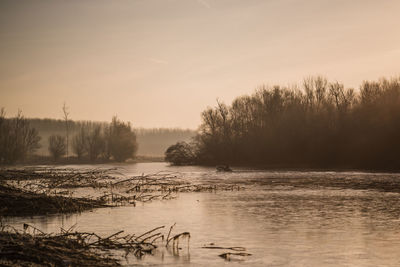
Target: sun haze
{"type": "Point", "coordinates": [160, 63]}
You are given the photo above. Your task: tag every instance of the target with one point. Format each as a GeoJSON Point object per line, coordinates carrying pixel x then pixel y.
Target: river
{"type": "Point", "coordinates": [280, 226]}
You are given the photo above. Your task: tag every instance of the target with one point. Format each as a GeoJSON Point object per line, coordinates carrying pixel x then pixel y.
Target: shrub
{"type": "Point", "coordinates": [180, 154]}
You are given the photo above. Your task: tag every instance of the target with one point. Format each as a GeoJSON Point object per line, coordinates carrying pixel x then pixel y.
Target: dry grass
{"type": "Point", "coordinates": [38, 191]}
{"type": "Point", "coordinates": [71, 248]}
{"type": "Point", "coordinates": [17, 202]}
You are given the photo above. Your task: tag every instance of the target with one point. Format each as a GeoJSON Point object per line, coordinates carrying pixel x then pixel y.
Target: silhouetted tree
{"type": "Point", "coordinates": [57, 146]}
{"type": "Point", "coordinates": [181, 153]}
{"type": "Point", "coordinates": [66, 113]}
{"type": "Point", "coordinates": [17, 138]}
{"type": "Point", "coordinates": [321, 124]}
{"type": "Point", "coordinates": [95, 143]}
{"type": "Point", "coordinates": [153, 141]}
{"type": "Point", "coordinates": [79, 143]}
{"type": "Point", "coordinates": [120, 140]}
{"type": "Point", "coordinates": [116, 141]}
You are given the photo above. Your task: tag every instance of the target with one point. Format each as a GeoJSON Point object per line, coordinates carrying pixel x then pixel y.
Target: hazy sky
{"type": "Point", "coordinates": [159, 63]}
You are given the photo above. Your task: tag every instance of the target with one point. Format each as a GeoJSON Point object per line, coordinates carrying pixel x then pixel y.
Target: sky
{"type": "Point", "coordinates": [160, 63]}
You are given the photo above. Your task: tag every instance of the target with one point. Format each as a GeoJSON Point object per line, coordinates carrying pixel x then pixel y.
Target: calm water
{"type": "Point", "coordinates": [280, 226]}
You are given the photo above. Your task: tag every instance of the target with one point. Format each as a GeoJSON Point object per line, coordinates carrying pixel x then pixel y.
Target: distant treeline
{"type": "Point", "coordinates": [318, 124]}
{"type": "Point", "coordinates": [115, 141]}
{"type": "Point", "coordinates": [49, 127]}
{"type": "Point", "coordinates": [152, 141]}
{"type": "Point", "coordinates": [66, 141]}
{"type": "Point", "coordinates": [91, 142]}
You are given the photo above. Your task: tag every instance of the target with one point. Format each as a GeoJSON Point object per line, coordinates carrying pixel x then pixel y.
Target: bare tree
{"type": "Point", "coordinates": [324, 124]}
{"type": "Point", "coordinates": [56, 146]}
{"type": "Point", "coordinates": [66, 113]}
{"type": "Point", "coordinates": [79, 142]}
{"type": "Point", "coordinates": [94, 143]}
{"type": "Point", "coordinates": [17, 138]}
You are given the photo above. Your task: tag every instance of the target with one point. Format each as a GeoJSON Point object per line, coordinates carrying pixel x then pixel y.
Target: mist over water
{"type": "Point", "coordinates": [283, 225]}
{"type": "Point", "coordinates": [112, 112]}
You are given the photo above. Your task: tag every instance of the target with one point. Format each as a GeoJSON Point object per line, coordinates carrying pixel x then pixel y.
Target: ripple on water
{"type": "Point", "coordinates": [282, 225]}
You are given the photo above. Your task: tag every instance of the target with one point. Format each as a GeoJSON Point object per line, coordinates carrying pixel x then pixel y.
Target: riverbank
{"type": "Point", "coordinates": [278, 213]}
{"type": "Point", "coordinates": [29, 191]}
{"type": "Point", "coordinates": [32, 247]}
{"type": "Point", "coordinates": [23, 249]}
{"type": "Point", "coordinates": [47, 160]}
{"type": "Point", "coordinates": [18, 202]}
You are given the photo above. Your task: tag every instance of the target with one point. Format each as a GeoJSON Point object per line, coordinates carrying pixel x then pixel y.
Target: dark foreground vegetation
{"type": "Point", "coordinates": [41, 191]}
{"type": "Point", "coordinates": [317, 125]}
{"type": "Point", "coordinates": [22, 249]}
{"type": "Point", "coordinates": [32, 247]}
{"type": "Point", "coordinates": [17, 202]}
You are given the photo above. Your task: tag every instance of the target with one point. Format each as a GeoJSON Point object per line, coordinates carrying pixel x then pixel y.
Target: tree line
{"type": "Point", "coordinates": [92, 142]}
{"type": "Point", "coordinates": [317, 124]}
{"type": "Point", "coordinates": [115, 141]}
{"type": "Point", "coordinates": [152, 141]}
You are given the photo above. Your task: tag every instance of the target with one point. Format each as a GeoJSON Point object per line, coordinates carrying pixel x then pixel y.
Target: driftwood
{"type": "Point", "coordinates": [22, 249]}
{"type": "Point", "coordinates": [18, 202]}
{"type": "Point", "coordinates": [36, 191]}
{"type": "Point", "coordinates": [229, 255]}
{"type": "Point", "coordinates": [225, 248]}
{"type": "Point", "coordinates": [52, 190]}
{"type": "Point", "coordinates": [223, 168]}
{"type": "Point", "coordinates": [234, 255]}
{"type": "Point", "coordinates": [70, 248]}
{"type": "Point", "coordinates": [175, 239]}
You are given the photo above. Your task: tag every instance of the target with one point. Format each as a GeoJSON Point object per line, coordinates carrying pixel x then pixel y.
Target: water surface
{"type": "Point", "coordinates": [281, 225]}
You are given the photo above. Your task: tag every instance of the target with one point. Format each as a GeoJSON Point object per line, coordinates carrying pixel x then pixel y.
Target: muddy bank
{"type": "Point", "coordinates": [28, 192]}
{"type": "Point", "coordinates": [17, 202]}
{"type": "Point", "coordinates": [20, 249]}
{"type": "Point", "coordinates": [40, 190]}
{"type": "Point", "coordinates": [32, 247]}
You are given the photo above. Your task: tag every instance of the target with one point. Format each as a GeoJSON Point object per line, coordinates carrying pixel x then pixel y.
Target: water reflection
{"type": "Point", "coordinates": [279, 225]}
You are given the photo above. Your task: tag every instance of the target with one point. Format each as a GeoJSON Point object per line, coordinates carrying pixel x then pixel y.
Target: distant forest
{"type": "Point", "coordinates": [151, 142]}
{"type": "Point", "coordinates": [318, 124]}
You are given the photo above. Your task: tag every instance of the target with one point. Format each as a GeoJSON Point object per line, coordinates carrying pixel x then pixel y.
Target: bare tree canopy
{"type": "Point", "coordinates": [57, 146]}
{"type": "Point", "coordinates": [322, 125]}
{"type": "Point", "coordinates": [17, 139]}
{"type": "Point", "coordinates": [66, 114]}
